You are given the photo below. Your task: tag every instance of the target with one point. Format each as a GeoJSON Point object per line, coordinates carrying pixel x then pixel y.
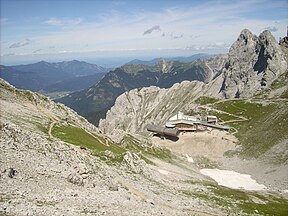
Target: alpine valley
{"type": "Point", "coordinates": [49, 78]}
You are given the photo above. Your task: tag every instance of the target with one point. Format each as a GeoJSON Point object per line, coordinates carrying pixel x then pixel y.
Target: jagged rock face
{"type": "Point", "coordinates": [135, 109]}
{"type": "Point", "coordinates": [253, 64]}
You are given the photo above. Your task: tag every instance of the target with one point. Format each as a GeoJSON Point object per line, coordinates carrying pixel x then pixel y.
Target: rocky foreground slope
{"type": "Point", "coordinates": [43, 175]}
{"type": "Point", "coordinates": [54, 162]}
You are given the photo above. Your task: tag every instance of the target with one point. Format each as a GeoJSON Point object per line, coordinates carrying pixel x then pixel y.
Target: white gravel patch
{"type": "Point", "coordinates": [189, 159]}
{"type": "Point", "coordinates": [164, 172]}
{"type": "Point", "coordinates": [233, 179]}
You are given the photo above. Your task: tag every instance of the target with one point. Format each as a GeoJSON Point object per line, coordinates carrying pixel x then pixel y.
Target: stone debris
{"type": "Point", "coordinates": [134, 162]}
{"type": "Point", "coordinates": [11, 172]}
{"type": "Point", "coordinates": [75, 179]}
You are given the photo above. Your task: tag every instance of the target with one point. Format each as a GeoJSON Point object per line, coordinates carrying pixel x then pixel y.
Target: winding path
{"type": "Point", "coordinates": [50, 128]}
{"type": "Point", "coordinates": [54, 119]}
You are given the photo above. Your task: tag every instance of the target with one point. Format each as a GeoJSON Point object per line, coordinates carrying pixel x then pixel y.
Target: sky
{"type": "Point", "coordinates": [36, 30]}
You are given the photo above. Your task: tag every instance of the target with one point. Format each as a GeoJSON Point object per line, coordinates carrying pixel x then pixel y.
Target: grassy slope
{"type": "Point", "coordinates": [267, 123]}
{"type": "Point", "coordinates": [99, 146]}
{"type": "Point", "coordinates": [223, 197]}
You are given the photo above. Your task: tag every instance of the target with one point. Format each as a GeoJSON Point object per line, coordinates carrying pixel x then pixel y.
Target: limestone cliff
{"type": "Point", "coordinates": [253, 64]}
{"type": "Point", "coordinates": [134, 109]}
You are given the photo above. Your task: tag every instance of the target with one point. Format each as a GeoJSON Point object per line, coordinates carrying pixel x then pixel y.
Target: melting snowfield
{"type": "Point", "coordinates": [233, 179]}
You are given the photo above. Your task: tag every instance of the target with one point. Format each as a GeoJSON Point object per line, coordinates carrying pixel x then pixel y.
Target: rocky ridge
{"type": "Point", "coordinates": [135, 109]}
{"type": "Point", "coordinates": [253, 64]}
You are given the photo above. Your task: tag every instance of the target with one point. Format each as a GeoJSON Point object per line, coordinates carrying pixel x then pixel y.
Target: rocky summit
{"type": "Point", "coordinates": [253, 64]}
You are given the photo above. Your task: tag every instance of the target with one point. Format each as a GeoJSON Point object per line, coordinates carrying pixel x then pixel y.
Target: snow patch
{"type": "Point", "coordinates": [233, 179]}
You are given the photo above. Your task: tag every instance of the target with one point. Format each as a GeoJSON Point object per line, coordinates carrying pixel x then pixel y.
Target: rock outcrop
{"type": "Point", "coordinates": [253, 64]}
{"type": "Point", "coordinates": [135, 109]}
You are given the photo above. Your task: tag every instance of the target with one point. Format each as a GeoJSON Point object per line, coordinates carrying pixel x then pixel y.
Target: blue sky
{"type": "Point", "coordinates": [47, 29]}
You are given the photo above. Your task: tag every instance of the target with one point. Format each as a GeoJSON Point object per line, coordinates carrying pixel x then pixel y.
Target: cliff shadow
{"type": "Point", "coordinates": [171, 138]}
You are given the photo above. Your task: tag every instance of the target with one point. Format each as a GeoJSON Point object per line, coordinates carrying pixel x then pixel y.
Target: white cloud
{"type": "Point", "coordinates": [218, 45]}
{"type": "Point", "coordinates": [63, 22]}
{"type": "Point", "coordinates": [37, 51]}
{"type": "Point", "coordinates": [8, 54]}
{"type": "Point", "coordinates": [118, 3]}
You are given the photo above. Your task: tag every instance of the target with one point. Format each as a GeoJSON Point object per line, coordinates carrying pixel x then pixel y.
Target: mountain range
{"type": "Point", "coordinates": [180, 59]}
{"type": "Point", "coordinates": [252, 64]}
{"type": "Point", "coordinates": [41, 75]}
{"type": "Point", "coordinates": [94, 102]}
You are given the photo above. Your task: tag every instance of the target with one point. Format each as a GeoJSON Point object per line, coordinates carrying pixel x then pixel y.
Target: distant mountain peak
{"type": "Point", "coordinates": [164, 65]}
{"type": "Point", "coordinates": [42, 63]}
{"type": "Point", "coordinates": [245, 38]}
